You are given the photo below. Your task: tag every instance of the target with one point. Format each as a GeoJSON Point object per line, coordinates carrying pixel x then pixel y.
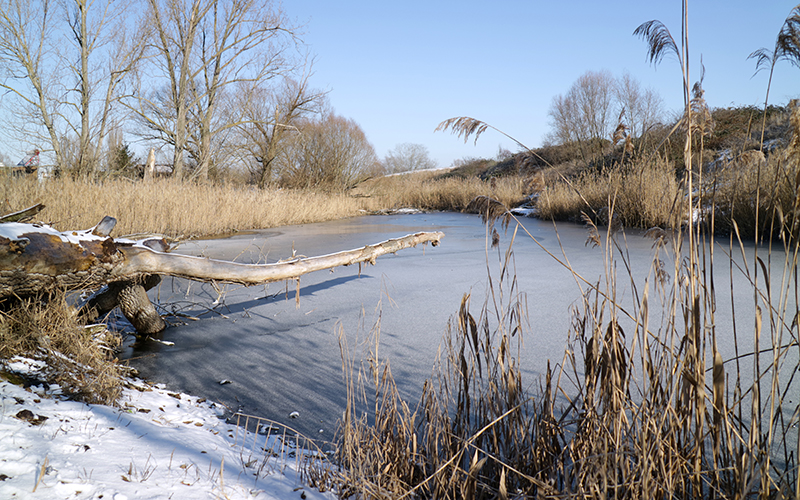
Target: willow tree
{"type": "Point", "coordinates": [331, 152]}
{"type": "Point", "coordinates": [267, 119]}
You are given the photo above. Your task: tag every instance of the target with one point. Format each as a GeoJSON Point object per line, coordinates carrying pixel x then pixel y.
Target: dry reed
{"type": "Point", "coordinates": [645, 194]}
{"type": "Point", "coordinates": [176, 209]}
{"type": "Point", "coordinates": [643, 404]}
{"type": "Point", "coordinates": [432, 191]}
{"type": "Point", "coordinates": [79, 358]}
{"type": "Point", "coordinates": [171, 207]}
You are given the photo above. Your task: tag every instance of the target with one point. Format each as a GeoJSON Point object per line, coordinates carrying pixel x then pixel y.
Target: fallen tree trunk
{"type": "Point", "coordinates": [36, 259]}
{"type": "Point", "coordinates": [140, 261]}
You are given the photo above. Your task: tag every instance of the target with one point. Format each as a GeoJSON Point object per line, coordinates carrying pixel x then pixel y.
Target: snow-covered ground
{"type": "Point", "coordinates": [156, 445]}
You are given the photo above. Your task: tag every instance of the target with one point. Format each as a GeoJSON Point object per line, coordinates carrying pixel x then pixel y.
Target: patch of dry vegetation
{"type": "Point", "coordinates": [434, 191]}
{"type": "Point", "coordinates": [172, 207]}
{"type": "Point", "coordinates": [644, 194]}
{"type": "Point", "coordinates": [79, 358]}
{"type": "Point", "coordinates": [175, 208]}
{"type": "Point", "coordinates": [643, 405]}
{"type": "Point", "coordinates": [759, 194]}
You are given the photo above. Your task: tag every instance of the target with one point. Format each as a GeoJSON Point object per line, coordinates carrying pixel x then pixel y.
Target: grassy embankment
{"type": "Point", "coordinates": [177, 209]}
{"type": "Point", "coordinates": [735, 181]}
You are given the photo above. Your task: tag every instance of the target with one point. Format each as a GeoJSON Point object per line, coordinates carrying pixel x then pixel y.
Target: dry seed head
{"type": "Point", "coordinates": [659, 40]}
{"type": "Point", "coordinates": [463, 126]}
{"type": "Point", "coordinates": [594, 235]}
{"type": "Point", "coordinates": [490, 209]}
{"type": "Point", "coordinates": [658, 235]}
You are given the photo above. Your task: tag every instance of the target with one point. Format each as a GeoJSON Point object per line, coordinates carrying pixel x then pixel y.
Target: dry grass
{"type": "Point", "coordinates": [173, 208]}
{"type": "Point", "coordinates": [642, 406]}
{"type": "Point", "coordinates": [760, 196]}
{"type": "Point", "coordinates": [645, 194]}
{"type": "Point", "coordinates": [176, 209]}
{"type": "Point", "coordinates": [432, 191]}
{"type": "Point", "coordinates": [79, 358]}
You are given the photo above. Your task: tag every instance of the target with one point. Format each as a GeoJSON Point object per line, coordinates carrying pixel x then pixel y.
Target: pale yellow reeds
{"type": "Point", "coordinates": [171, 207]}
{"type": "Point", "coordinates": [176, 209]}
{"type": "Point", "coordinates": [645, 194]}
{"type": "Point", "coordinates": [642, 405]}
{"type": "Point", "coordinates": [434, 191]}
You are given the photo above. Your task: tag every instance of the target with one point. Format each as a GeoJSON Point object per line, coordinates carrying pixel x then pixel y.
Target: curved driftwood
{"type": "Point", "coordinates": [36, 258]}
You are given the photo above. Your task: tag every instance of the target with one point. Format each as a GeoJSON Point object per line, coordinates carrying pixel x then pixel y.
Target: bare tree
{"type": "Point", "coordinates": [26, 32]}
{"type": "Point", "coordinates": [163, 109]}
{"type": "Point", "coordinates": [105, 54]}
{"type": "Point", "coordinates": [641, 108]}
{"type": "Point", "coordinates": [407, 157]}
{"type": "Point", "coordinates": [200, 49]}
{"type": "Point", "coordinates": [585, 114]}
{"type": "Point", "coordinates": [332, 152]}
{"type": "Point", "coordinates": [269, 117]}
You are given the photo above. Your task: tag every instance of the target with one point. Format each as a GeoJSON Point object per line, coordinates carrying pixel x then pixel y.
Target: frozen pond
{"type": "Point", "coordinates": [282, 358]}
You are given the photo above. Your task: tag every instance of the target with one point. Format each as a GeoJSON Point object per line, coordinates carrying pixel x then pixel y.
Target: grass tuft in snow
{"type": "Point", "coordinates": [78, 357]}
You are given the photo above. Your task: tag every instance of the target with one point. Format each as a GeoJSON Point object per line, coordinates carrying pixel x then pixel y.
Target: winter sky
{"type": "Point", "coordinates": [398, 68]}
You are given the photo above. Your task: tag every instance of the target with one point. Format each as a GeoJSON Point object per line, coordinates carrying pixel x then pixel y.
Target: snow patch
{"type": "Point", "coordinates": [156, 445]}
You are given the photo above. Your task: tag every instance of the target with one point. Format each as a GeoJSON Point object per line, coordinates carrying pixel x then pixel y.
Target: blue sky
{"type": "Point", "coordinates": [400, 68]}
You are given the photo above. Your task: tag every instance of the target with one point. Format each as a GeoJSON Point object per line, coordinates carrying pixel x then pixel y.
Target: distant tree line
{"type": "Point", "coordinates": [216, 87]}
{"type": "Point", "coordinates": [599, 109]}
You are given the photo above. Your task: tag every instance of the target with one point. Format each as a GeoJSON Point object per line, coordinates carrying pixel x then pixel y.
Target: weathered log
{"type": "Point", "coordinates": [23, 214]}
{"type": "Point", "coordinates": [140, 260]}
{"type": "Point", "coordinates": [36, 258]}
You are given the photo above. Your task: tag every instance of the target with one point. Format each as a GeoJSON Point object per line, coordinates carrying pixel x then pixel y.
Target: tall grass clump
{"type": "Point", "coordinates": [433, 191]}
{"type": "Point", "coordinates": [645, 194]}
{"type": "Point", "coordinates": [475, 431]}
{"type": "Point", "coordinates": [756, 195]}
{"type": "Point", "coordinates": [78, 357]}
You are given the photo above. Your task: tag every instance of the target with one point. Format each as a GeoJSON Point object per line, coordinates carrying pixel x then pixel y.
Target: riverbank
{"type": "Point", "coordinates": [186, 210]}
{"type": "Point", "coordinates": [156, 444]}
